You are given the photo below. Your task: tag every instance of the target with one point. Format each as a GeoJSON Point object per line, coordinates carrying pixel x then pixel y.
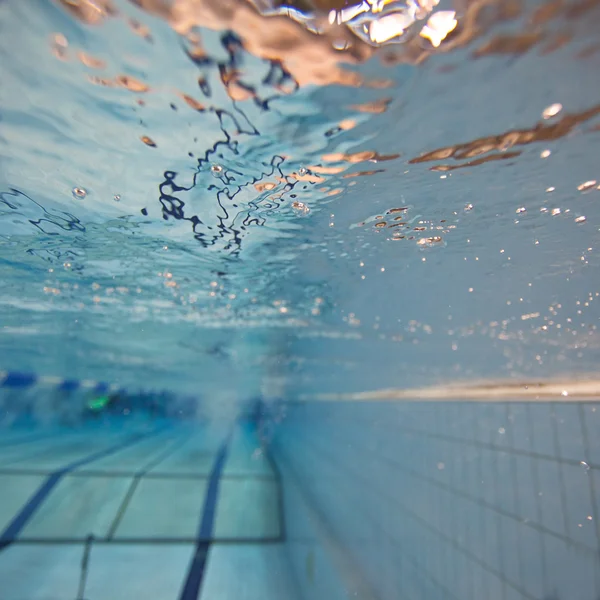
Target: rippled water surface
{"type": "Point", "coordinates": [194, 196]}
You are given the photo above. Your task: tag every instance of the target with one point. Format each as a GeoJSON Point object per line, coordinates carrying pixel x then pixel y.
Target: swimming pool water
{"type": "Point", "coordinates": [299, 300]}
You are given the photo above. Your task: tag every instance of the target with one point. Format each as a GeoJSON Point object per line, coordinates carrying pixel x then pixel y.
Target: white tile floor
{"type": "Point", "coordinates": [44, 572]}
{"type": "Point", "coordinates": [132, 571]}
{"type": "Point", "coordinates": [127, 572]}
{"type": "Point", "coordinates": [248, 508]}
{"type": "Point", "coordinates": [151, 489]}
{"type": "Point", "coordinates": [78, 507]}
{"type": "Point", "coordinates": [16, 489]}
{"type": "Point", "coordinates": [265, 569]}
{"type": "Point", "coordinates": [163, 508]}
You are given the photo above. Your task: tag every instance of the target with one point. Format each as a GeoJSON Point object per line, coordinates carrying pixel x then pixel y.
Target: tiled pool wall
{"type": "Point", "coordinates": [452, 501]}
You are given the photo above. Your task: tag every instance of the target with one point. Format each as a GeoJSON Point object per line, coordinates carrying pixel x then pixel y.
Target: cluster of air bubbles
{"type": "Point", "coordinates": [79, 192]}
{"type": "Point", "coordinates": [428, 242]}
{"type": "Point", "coordinates": [300, 207]}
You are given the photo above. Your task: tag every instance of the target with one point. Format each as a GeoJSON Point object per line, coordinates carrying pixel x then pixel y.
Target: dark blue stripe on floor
{"type": "Point", "coordinates": [197, 568]}
{"type": "Point", "coordinates": [16, 526]}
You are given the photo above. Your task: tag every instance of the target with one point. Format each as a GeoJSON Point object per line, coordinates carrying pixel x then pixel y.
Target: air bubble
{"type": "Point", "coordinates": [552, 110]}
{"type": "Point", "coordinates": [79, 192]}
{"type": "Point", "coordinates": [117, 198]}
{"type": "Point", "coordinates": [430, 241]}
{"type": "Point", "coordinates": [468, 207]}
{"type": "Point", "coordinates": [216, 169]}
{"type": "Point", "coordinates": [302, 171]}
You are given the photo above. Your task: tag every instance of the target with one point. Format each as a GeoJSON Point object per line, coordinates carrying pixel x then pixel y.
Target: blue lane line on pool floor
{"type": "Point", "coordinates": [16, 526]}
{"type": "Point", "coordinates": [197, 568]}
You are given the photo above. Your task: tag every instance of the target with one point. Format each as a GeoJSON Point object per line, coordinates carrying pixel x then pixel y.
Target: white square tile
{"type": "Point", "coordinates": [487, 476]}
{"type": "Point", "coordinates": [195, 457]}
{"type": "Point", "coordinates": [595, 483]}
{"type": "Point", "coordinates": [591, 417]}
{"type": "Point", "coordinates": [578, 490]}
{"type": "Point", "coordinates": [500, 424]}
{"type": "Point", "coordinates": [542, 418]}
{"type": "Point", "coordinates": [532, 561]}
{"type": "Point", "coordinates": [510, 549]}
{"type": "Point", "coordinates": [491, 536]}
{"type": "Point", "coordinates": [527, 498]}
{"type": "Point", "coordinates": [15, 491]}
{"type": "Point", "coordinates": [571, 574]}
{"type": "Point", "coordinates": [247, 508]}
{"type": "Point", "coordinates": [77, 507]}
{"type": "Point", "coordinates": [484, 423]}
{"type": "Point", "coordinates": [40, 572]}
{"type": "Point", "coordinates": [477, 582]}
{"type": "Point", "coordinates": [463, 580]}
{"type": "Point", "coordinates": [164, 508]}
{"type": "Point", "coordinates": [493, 586]}
{"type": "Point", "coordinates": [131, 571]}
{"type": "Point", "coordinates": [519, 431]}
{"type": "Point", "coordinates": [249, 572]}
{"type": "Point", "coordinates": [570, 434]}
{"type": "Point", "coordinates": [504, 479]}
{"type": "Point", "coordinates": [550, 495]}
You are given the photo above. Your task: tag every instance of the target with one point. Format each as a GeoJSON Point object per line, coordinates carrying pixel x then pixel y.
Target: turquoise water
{"type": "Point", "coordinates": [299, 304]}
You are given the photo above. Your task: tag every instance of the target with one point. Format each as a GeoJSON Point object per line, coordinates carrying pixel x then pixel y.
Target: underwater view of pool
{"type": "Point", "coordinates": [299, 299]}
